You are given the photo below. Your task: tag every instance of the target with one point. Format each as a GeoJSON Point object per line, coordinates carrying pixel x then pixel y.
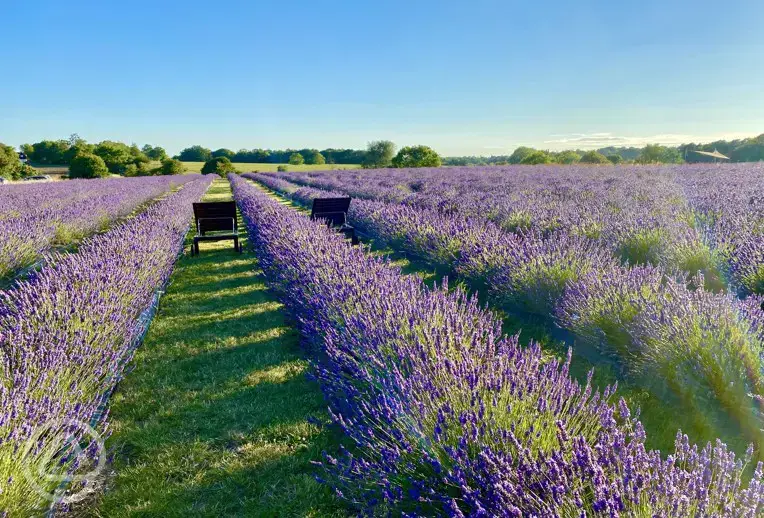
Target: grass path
{"type": "Point", "coordinates": [213, 421]}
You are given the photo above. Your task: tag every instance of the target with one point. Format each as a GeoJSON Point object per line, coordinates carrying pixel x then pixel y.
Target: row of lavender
{"type": "Point", "coordinates": [700, 217]}
{"type": "Point", "coordinates": [446, 415]}
{"type": "Point", "coordinates": [66, 335]}
{"type": "Point", "coordinates": [691, 348]}
{"type": "Point", "coordinates": [34, 218]}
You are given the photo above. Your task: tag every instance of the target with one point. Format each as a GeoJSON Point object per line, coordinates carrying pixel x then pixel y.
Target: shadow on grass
{"type": "Point", "coordinates": [214, 418]}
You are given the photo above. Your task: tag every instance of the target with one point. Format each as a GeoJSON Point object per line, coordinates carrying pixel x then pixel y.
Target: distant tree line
{"type": "Point", "coordinates": [379, 153]}
{"type": "Point", "coordinates": [524, 155]}
{"type": "Point", "coordinates": [131, 160]}
{"type": "Point", "coordinates": [274, 156]}
{"type": "Point", "coordinates": [87, 160]}
{"type": "Point", "coordinates": [741, 150]}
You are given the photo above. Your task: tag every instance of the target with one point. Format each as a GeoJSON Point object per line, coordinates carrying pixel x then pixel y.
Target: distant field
{"type": "Point", "coordinates": [197, 166]}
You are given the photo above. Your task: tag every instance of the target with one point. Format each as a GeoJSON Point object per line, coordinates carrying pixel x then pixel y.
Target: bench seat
{"type": "Point", "coordinates": [216, 221]}
{"type": "Point", "coordinates": [334, 211]}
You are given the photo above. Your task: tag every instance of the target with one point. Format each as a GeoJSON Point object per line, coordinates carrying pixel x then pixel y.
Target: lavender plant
{"type": "Point", "coordinates": [66, 335]}
{"type": "Point", "coordinates": [34, 218]}
{"type": "Point", "coordinates": [712, 366]}
{"type": "Point", "coordinates": [447, 416]}
{"type": "Point", "coordinates": [676, 216]}
{"type": "Point", "coordinates": [702, 347]}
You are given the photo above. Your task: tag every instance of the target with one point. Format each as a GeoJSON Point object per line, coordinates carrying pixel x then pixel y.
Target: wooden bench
{"type": "Point", "coordinates": [218, 217]}
{"type": "Point", "coordinates": [334, 211]}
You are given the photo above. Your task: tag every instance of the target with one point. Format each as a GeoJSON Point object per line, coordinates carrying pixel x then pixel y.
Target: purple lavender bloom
{"type": "Point", "coordinates": [448, 416]}
{"type": "Point", "coordinates": [68, 332]}
{"type": "Point", "coordinates": [643, 316]}
{"type": "Point", "coordinates": [34, 218]}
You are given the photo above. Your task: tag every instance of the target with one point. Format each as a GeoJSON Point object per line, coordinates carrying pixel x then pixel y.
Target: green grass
{"type": "Point", "coordinates": [196, 167]}
{"type": "Point", "coordinates": [213, 421]}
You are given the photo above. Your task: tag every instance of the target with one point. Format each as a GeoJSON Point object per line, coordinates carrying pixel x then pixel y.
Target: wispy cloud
{"type": "Point", "coordinates": [598, 140]}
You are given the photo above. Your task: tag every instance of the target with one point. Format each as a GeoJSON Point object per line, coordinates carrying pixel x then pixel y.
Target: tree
{"type": "Point", "coordinates": [379, 153]}
{"type": "Point", "coordinates": [657, 154]}
{"type": "Point", "coordinates": [593, 157]}
{"type": "Point", "coordinates": [223, 152]}
{"type": "Point", "coordinates": [28, 150]}
{"type": "Point", "coordinates": [171, 166]}
{"type": "Point", "coordinates": [567, 157]}
{"type": "Point", "coordinates": [88, 166]}
{"type": "Point", "coordinates": [476, 160]}
{"type": "Point", "coordinates": [252, 157]}
{"type": "Point", "coordinates": [282, 169]}
{"type": "Point", "coordinates": [650, 154]}
{"type": "Point", "coordinates": [416, 156]}
{"type": "Point", "coordinates": [154, 152]}
{"type": "Point", "coordinates": [296, 159]}
{"type": "Point", "coordinates": [79, 147]}
{"type": "Point", "coordinates": [615, 159]}
{"type": "Point", "coordinates": [49, 152]}
{"type": "Point", "coordinates": [751, 151]}
{"type": "Point", "coordinates": [140, 169]}
{"type": "Point", "coordinates": [195, 154]}
{"type": "Point", "coordinates": [9, 162]}
{"type": "Point", "coordinates": [137, 154]}
{"type": "Point", "coordinates": [220, 165]}
{"type": "Point", "coordinates": [130, 170]}
{"type": "Point", "coordinates": [519, 154]}
{"type": "Point", "coordinates": [116, 155]}
{"type": "Point", "coordinates": [315, 158]}
{"type": "Point", "coordinates": [537, 158]}
{"type": "Point", "coordinates": [344, 156]}
{"type": "Point", "coordinates": [627, 153]}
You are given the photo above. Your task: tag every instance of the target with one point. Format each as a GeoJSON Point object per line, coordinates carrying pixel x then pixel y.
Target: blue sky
{"type": "Point", "coordinates": [472, 77]}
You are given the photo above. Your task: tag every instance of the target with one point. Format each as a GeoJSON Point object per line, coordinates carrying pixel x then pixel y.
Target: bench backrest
{"type": "Point", "coordinates": [217, 215]}
{"type": "Point", "coordinates": [332, 209]}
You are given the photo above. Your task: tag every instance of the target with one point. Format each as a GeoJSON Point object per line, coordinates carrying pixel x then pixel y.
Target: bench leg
{"type": "Point", "coordinates": [236, 244]}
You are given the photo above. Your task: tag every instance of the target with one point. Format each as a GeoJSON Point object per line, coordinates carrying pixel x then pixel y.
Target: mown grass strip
{"type": "Point", "coordinates": [214, 420]}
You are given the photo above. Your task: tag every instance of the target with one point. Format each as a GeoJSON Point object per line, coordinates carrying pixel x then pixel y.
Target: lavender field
{"type": "Point", "coordinates": [68, 331]}
{"type": "Point", "coordinates": [448, 416]}
{"type": "Point", "coordinates": [464, 259]}
{"type": "Point", "coordinates": [653, 273]}
{"type": "Point", "coordinates": [428, 402]}
{"type": "Point", "coordinates": [35, 218]}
